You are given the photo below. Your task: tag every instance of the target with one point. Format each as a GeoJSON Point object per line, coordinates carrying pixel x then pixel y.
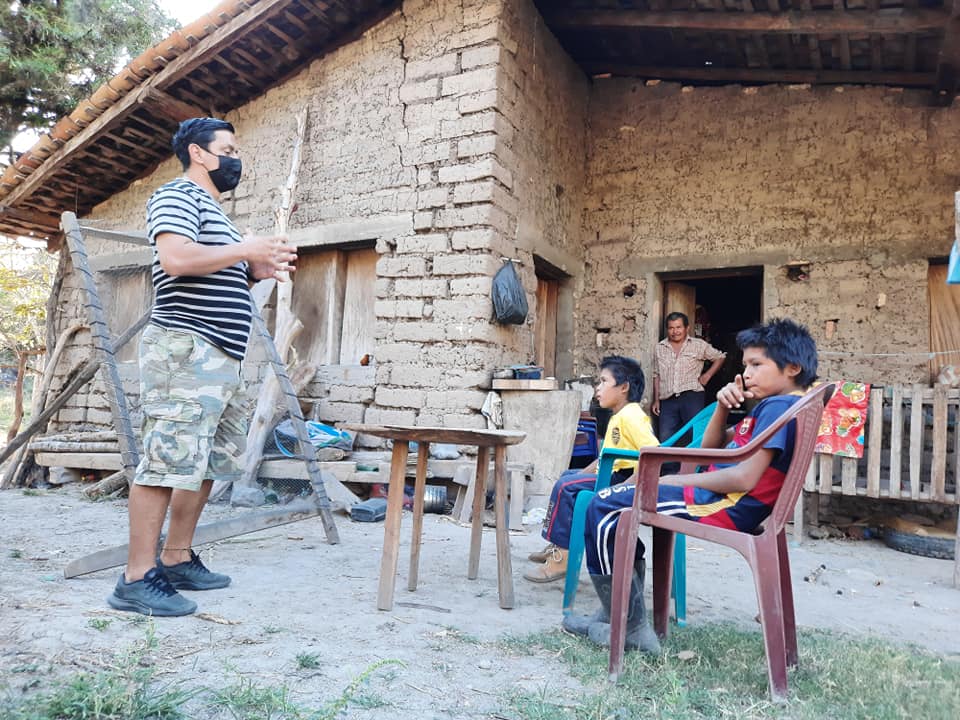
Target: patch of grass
{"type": "Point", "coordinates": [308, 661]}
{"type": "Point", "coordinates": [838, 677]}
{"type": "Point", "coordinates": [248, 701]}
{"type": "Point", "coordinates": [16, 554]}
{"type": "Point", "coordinates": [31, 491]}
{"type": "Point", "coordinates": [356, 688]}
{"type": "Point", "coordinates": [272, 629]}
{"type": "Point", "coordinates": [125, 692]}
{"type": "Point", "coordinates": [100, 624]}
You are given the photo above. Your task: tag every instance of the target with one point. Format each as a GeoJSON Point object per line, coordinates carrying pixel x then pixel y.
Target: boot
{"type": "Point", "coordinates": [640, 636]}
{"type": "Point", "coordinates": [580, 624]}
{"type": "Point", "coordinates": [541, 556]}
{"type": "Point", "coordinates": [555, 568]}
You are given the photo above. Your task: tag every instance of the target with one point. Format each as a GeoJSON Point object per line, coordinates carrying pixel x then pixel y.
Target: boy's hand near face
{"type": "Point", "coordinates": [733, 394]}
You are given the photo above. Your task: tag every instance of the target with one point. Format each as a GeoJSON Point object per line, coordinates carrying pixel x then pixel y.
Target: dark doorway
{"type": "Point", "coordinates": [719, 304]}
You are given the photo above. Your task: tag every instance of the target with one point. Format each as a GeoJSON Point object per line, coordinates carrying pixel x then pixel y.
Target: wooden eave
{"type": "Point", "coordinates": [220, 62]}
{"type": "Point", "coordinates": [903, 43]}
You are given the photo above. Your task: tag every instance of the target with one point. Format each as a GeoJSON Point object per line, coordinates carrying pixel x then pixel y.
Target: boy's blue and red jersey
{"type": "Point", "coordinates": [745, 511]}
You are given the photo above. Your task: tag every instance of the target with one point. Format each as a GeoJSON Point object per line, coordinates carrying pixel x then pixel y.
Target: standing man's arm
{"type": "Point", "coordinates": [655, 405]}
{"type": "Point", "coordinates": [716, 358]}
{"type": "Point", "coordinates": [266, 255]}
{"type": "Point", "coordinates": [711, 371]}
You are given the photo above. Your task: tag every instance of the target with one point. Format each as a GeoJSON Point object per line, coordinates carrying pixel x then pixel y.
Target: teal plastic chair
{"type": "Point", "coordinates": [697, 426]}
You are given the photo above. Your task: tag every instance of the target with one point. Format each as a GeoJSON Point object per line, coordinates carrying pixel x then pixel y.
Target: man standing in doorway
{"type": "Point", "coordinates": [191, 388]}
{"type": "Point", "coordinates": [678, 375]}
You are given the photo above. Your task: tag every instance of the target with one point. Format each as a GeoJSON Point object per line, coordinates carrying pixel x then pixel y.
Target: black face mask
{"type": "Point", "coordinates": [227, 176]}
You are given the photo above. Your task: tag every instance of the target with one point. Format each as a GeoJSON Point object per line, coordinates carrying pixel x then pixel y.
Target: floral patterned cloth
{"type": "Point", "coordinates": [844, 420]}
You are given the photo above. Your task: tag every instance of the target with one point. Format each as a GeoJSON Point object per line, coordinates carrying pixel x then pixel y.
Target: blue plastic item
{"type": "Point", "coordinates": [586, 443]}
{"type": "Point", "coordinates": [698, 425]}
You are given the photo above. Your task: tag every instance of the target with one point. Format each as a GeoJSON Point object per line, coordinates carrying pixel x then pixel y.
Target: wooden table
{"type": "Point", "coordinates": [484, 440]}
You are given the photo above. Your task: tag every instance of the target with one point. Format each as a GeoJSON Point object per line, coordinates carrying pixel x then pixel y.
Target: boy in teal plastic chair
{"type": "Point", "coordinates": [780, 361]}
{"type": "Point", "coordinates": [619, 389]}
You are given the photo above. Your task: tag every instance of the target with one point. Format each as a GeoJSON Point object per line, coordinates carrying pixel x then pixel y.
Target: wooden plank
{"type": "Point", "coordinates": [794, 22]}
{"type": "Point", "coordinates": [848, 476]}
{"type": "Point", "coordinates": [938, 466]}
{"type": "Point", "coordinates": [896, 440]}
{"type": "Point", "coordinates": [358, 326]}
{"type": "Point", "coordinates": [916, 440]}
{"type": "Point", "coordinates": [874, 442]}
{"type": "Point", "coordinates": [810, 481]}
{"type": "Point", "coordinates": [80, 461]}
{"type": "Point", "coordinates": [476, 526]}
{"type": "Point", "coordinates": [203, 535]}
{"type": "Point", "coordinates": [539, 384]}
{"type": "Point", "coordinates": [716, 73]}
{"type": "Point", "coordinates": [826, 472]}
{"type": "Point", "coordinates": [318, 297]}
{"type": "Point", "coordinates": [944, 302]}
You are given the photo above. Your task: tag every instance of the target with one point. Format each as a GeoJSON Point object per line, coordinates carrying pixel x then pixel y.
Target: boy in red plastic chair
{"type": "Point", "coordinates": [780, 361]}
{"type": "Point", "coordinates": [620, 390]}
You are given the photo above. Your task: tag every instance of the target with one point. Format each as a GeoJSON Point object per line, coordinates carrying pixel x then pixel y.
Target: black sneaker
{"type": "Point", "coordinates": [153, 595]}
{"type": "Point", "coordinates": [193, 575]}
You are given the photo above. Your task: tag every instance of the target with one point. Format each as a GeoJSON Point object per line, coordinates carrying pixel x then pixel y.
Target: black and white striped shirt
{"type": "Point", "coordinates": [216, 306]}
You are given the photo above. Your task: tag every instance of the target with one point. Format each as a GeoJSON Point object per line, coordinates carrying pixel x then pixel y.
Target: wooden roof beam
{"type": "Point", "coordinates": [798, 22]}
{"type": "Point", "coordinates": [762, 75]}
{"type": "Point", "coordinates": [161, 103]}
{"type": "Point", "coordinates": [948, 60]}
{"type": "Point", "coordinates": [48, 223]}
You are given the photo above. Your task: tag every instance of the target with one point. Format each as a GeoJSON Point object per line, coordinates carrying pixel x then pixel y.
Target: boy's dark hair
{"type": "Point", "coordinates": [784, 341]}
{"type": "Point", "coordinates": [626, 370]}
{"type": "Point", "coordinates": [199, 131]}
{"type": "Point", "coordinates": [677, 316]}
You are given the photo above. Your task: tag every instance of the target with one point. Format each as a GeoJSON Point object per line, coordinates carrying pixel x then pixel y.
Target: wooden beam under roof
{"type": "Point", "coordinates": [49, 223]}
{"type": "Point", "coordinates": [716, 74]}
{"type": "Point", "coordinates": [798, 22]}
{"type": "Point", "coordinates": [161, 103]}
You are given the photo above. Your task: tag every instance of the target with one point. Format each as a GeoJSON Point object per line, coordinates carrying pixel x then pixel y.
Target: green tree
{"type": "Point", "coordinates": [25, 280]}
{"type": "Point", "coordinates": [54, 53]}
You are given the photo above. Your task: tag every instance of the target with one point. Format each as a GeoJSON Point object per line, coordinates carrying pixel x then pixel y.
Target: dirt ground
{"type": "Point", "coordinates": [293, 594]}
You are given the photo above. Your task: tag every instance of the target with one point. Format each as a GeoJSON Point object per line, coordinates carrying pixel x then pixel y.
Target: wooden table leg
{"type": "Point", "coordinates": [504, 564]}
{"type": "Point", "coordinates": [391, 526]}
{"type": "Point", "coordinates": [479, 495]}
{"type": "Point", "coordinates": [419, 489]}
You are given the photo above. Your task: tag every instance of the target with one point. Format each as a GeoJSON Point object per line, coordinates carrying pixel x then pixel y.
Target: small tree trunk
{"type": "Point", "coordinates": [18, 396]}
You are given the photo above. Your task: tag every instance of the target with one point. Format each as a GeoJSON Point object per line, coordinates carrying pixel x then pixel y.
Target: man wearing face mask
{"type": "Point", "coordinates": [191, 388]}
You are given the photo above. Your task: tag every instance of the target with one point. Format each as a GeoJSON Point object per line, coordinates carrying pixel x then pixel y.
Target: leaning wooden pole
{"type": "Point", "coordinates": [286, 326]}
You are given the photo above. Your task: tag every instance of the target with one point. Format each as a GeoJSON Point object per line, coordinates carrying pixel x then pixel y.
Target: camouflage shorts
{"type": "Point", "coordinates": [194, 411]}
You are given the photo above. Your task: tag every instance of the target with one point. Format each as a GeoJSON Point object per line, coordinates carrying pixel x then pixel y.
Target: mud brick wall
{"type": "Point", "coordinates": [859, 181]}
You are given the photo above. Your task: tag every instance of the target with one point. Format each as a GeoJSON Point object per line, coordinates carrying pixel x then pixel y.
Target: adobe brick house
{"type": "Point", "coordinates": [786, 164]}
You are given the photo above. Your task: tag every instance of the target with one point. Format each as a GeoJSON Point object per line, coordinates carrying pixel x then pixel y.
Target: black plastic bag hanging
{"type": "Point", "coordinates": [509, 299]}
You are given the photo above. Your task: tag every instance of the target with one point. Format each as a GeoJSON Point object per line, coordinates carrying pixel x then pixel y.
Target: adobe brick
{"type": "Point", "coordinates": [431, 198]}
{"type": "Point", "coordinates": [411, 92]}
{"type": "Point", "coordinates": [345, 393]}
{"type": "Point", "coordinates": [479, 285]}
{"type": "Point", "coordinates": [376, 416]}
{"type": "Point", "coordinates": [474, 81]}
{"type": "Point", "coordinates": [418, 331]}
{"type": "Point", "coordinates": [423, 244]}
{"type": "Point", "coordinates": [476, 145]}
{"type": "Point", "coordinates": [409, 266]}
{"type": "Point", "coordinates": [392, 397]}
{"type": "Point", "coordinates": [476, 57]}
{"type": "Point", "coordinates": [340, 411]}
{"type": "Point", "coordinates": [399, 352]}
{"type": "Point", "coordinates": [431, 67]}
{"type": "Point", "coordinates": [460, 264]}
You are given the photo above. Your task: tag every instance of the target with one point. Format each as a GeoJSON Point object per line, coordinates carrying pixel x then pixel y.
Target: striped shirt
{"type": "Point", "coordinates": [215, 306]}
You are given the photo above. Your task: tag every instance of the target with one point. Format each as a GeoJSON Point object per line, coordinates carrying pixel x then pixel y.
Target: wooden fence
{"type": "Point", "coordinates": [912, 449]}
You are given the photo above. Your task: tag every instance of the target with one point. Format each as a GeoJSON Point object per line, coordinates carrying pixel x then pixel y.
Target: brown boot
{"type": "Point", "coordinates": [540, 556]}
{"type": "Point", "coordinates": [555, 568]}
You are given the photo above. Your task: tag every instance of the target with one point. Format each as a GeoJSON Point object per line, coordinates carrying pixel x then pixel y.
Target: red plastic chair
{"type": "Point", "coordinates": [765, 551]}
